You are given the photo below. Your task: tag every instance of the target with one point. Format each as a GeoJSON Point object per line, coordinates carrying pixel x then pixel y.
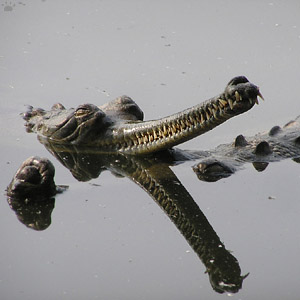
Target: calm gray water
{"type": "Point", "coordinates": [108, 239]}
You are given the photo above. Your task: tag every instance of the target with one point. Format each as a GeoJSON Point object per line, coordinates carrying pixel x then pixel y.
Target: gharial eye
{"type": "Point", "coordinates": [81, 112]}
{"type": "Point", "coordinates": [85, 110]}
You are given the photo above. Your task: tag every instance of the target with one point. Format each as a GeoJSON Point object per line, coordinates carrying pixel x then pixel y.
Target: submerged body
{"type": "Point", "coordinates": [118, 127]}
{"type": "Point", "coordinates": [277, 144]}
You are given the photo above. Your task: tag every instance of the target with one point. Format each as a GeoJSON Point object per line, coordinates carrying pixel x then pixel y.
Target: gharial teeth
{"type": "Point", "coordinates": [230, 103]}
{"type": "Point", "coordinates": [214, 113]}
{"type": "Point", "coordinates": [207, 115]}
{"type": "Point", "coordinates": [260, 96]}
{"type": "Point", "coordinates": [223, 102]}
{"type": "Point", "coordinates": [237, 96]}
{"type": "Point", "coordinates": [202, 118]}
{"type": "Point", "coordinates": [165, 130]}
{"type": "Point", "coordinates": [174, 128]}
{"type": "Point", "coordinates": [220, 105]}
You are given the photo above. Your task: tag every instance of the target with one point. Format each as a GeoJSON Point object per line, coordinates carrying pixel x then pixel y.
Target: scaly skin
{"type": "Point", "coordinates": [118, 126]}
{"type": "Point", "coordinates": [277, 144]}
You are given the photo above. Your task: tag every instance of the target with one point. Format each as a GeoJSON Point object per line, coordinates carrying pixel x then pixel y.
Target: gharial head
{"type": "Point", "coordinates": [60, 124]}
{"type": "Point", "coordinates": [82, 124]}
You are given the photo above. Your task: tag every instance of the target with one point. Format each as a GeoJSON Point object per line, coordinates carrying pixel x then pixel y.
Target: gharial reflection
{"type": "Point", "coordinates": [154, 175]}
{"type": "Point", "coordinates": [32, 190]}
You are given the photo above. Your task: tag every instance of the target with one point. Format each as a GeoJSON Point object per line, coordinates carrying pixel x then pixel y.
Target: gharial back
{"type": "Point", "coordinates": [277, 144]}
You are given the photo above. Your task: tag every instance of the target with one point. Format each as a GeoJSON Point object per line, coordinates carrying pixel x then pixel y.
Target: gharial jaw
{"type": "Point", "coordinates": [151, 136]}
{"type": "Point", "coordinates": [125, 131]}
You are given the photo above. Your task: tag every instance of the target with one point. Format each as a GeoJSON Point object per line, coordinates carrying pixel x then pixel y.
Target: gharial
{"type": "Point", "coordinates": [118, 126]}
{"type": "Point", "coordinates": [114, 137]}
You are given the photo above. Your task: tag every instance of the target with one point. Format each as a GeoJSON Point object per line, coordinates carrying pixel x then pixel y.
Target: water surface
{"type": "Point", "coordinates": [108, 239]}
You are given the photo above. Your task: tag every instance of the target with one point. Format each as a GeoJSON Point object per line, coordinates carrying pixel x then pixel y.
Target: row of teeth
{"type": "Point", "coordinates": [165, 202]}
{"type": "Point", "coordinates": [157, 192]}
{"type": "Point", "coordinates": [194, 120]}
{"type": "Point", "coordinates": [182, 223]}
{"type": "Point", "coordinates": [188, 229]}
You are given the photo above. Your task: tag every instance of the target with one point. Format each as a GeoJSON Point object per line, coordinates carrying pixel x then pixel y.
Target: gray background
{"type": "Point", "coordinates": [166, 55]}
